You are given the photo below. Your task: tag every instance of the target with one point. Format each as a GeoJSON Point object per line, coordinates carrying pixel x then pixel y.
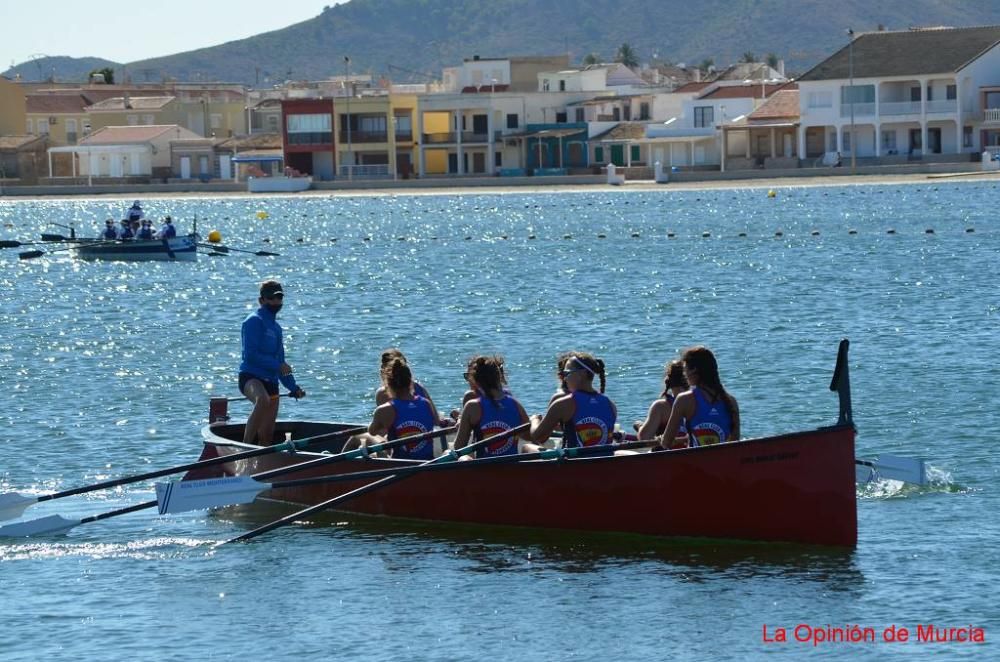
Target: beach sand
{"type": "Point", "coordinates": [776, 184]}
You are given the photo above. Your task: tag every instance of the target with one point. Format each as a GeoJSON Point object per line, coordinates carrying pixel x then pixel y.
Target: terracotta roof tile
{"type": "Point", "coordinates": [692, 87]}
{"type": "Point", "coordinates": [55, 103]}
{"type": "Point", "coordinates": [17, 142]}
{"type": "Point", "coordinates": [623, 131]}
{"type": "Point", "coordinates": [116, 135]}
{"type": "Point", "coordinates": [254, 141]}
{"type": "Point", "coordinates": [753, 90]}
{"type": "Point", "coordinates": [783, 104]}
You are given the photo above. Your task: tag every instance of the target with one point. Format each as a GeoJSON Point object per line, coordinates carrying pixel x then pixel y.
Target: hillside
{"type": "Point", "coordinates": [407, 39]}
{"type": "Point", "coordinates": [60, 68]}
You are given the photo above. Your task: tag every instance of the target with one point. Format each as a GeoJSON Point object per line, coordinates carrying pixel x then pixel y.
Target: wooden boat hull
{"type": "Point", "coordinates": [797, 488]}
{"type": "Point", "coordinates": [182, 249]}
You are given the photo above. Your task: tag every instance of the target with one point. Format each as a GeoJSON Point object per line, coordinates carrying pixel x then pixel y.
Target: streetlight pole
{"type": "Point", "coordinates": [350, 93]}
{"type": "Point", "coordinates": [850, 74]}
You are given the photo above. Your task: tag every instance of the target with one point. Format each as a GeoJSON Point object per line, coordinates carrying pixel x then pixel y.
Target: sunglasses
{"type": "Point", "coordinates": [278, 296]}
{"type": "Point", "coordinates": [566, 373]}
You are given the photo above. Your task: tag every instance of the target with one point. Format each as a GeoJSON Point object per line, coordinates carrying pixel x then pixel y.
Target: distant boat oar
{"type": "Point", "coordinates": [30, 255]}
{"type": "Point", "coordinates": [225, 249]}
{"type": "Point", "coordinates": [13, 504]}
{"type": "Point", "coordinates": [450, 456]}
{"type": "Point", "coordinates": [894, 467]}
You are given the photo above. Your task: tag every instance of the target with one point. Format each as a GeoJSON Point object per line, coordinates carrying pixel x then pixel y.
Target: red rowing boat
{"type": "Point", "coordinates": [797, 487]}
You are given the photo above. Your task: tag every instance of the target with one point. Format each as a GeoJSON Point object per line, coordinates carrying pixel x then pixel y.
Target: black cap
{"type": "Point", "coordinates": [270, 289]}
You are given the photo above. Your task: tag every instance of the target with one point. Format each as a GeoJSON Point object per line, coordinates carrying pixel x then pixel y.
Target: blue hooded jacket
{"type": "Point", "coordinates": [263, 348]}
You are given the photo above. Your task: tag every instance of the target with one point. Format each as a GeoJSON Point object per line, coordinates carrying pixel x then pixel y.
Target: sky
{"type": "Point", "coordinates": [130, 30]}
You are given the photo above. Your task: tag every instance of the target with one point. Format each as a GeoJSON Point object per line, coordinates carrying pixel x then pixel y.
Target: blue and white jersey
{"type": "Point", "coordinates": [711, 423]}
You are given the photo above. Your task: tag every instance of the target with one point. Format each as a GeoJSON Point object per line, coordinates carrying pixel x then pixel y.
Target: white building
{"type": "Point", "coordinates": [889, 96]}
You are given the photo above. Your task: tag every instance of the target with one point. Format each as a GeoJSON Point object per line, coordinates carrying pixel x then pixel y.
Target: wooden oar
{"type": "Point", "coordinates": [225, 249]}
{"type": "Point", "coordinates": [13, 504]}
{"type": "Point", "coordinates": [182, 496]}
{"type": "Point", "coordinates": [30, 255]}
{"type": "Point", "coordinates": [9, 243]}
{"type": "Point", "coordinates": [450, 456]}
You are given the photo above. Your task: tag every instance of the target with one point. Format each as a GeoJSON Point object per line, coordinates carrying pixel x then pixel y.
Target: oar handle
{"type": "Point", "coordinates": [548, 454]}
{"type": "Point", "coordinates": [288, 445]}
{"type": "Point", "coordinates": [450, 456]}
{"type": "Point", "coordinates": [347, 455]}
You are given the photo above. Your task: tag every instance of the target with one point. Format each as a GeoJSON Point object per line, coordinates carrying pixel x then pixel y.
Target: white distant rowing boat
{"type": "Point", "coordinates": [278, 184]}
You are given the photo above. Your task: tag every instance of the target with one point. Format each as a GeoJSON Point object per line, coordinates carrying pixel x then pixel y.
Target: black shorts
{"type": "Point", "coordinates": [272, 387]}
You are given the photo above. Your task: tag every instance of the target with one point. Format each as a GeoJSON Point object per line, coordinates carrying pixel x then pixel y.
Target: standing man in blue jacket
{"type": "Point", "coordinates": [263, 365]}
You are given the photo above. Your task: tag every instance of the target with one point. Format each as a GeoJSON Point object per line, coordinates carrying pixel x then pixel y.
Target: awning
{"type": "Point", "coordinates": [673, 139]}
{"type": "Point", "coordinates": [251, 157]}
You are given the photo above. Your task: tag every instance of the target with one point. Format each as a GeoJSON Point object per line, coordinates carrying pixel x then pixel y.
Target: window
{"type": "Point", "coordinates": [31, 129]}
{"type": "Point", "coordinates": [309, 130]}
{"type": "Point", "coordinates": [562, 85]}
{"type": "Point", "coordinates": [644, 110]}
{"type": "Point", "coordinates": [847, 141]}
{"type": "Point", "coordinates": [822, 99]}
{"type": "Point", "coordinates": [889, 141]}
{"type": "Point", "coordinates": [636, 153]}
{"type": "Point", "coordinates": [579, 115]}
{"type": "Point", "coordinates": [599, 154]}
{"type": "Point", "coordinates": [545, 85]}
{"type": "Point", "coordinates": [914, 94]}
{"type": "Point", "coordinates": [511, 120]}
{"type": "Point", "coordinates": [498, 159]}
{"type": "Point", "coordinates": [133, 120]}
{"type": "Point", "coordinates": [616, 114]}
{"type": "Point", "coordinates": [43, 127]}
{"type": "Point", "coordinates": [704, 116]}
{"type": "Point", "coordinates": [272, 123]}
{"type": "Point", "coordinates": [86, 127]}
{"type": "Point", "coordinates": [561, 117]}
{"type": "Point", "coordinates": [215, 120]}
{"type": "Point", "coordinates": [833, 141]}
{"type": "Point", "coordinates": [930, 93]}
{"type": "Point", "coordinates": [966, 136]}
{"type": "Point", "coordinates": [951, 92]}
{"type": "Point", "coordinates": [150, 120]}
{"type": "Point", "coordinates": [404, 125]}
{"type": "Point", "coordinates": [858, 94]}
{"type": "Point", "coordinates": [71, 132]}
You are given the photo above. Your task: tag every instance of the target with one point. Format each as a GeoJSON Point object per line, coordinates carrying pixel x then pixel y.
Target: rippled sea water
{"type": "Point", "coordinates": [106, 370]}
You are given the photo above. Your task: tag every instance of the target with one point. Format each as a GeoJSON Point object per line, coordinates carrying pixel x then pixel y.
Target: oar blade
{"type": "Point", "coordinates": [267, 254]}
{"type": "Point", "coordinates": [12, 505]}
{"type": "Point", "coordinates": [906, 469]}
{"type": "Point", "coordinates": [44, 526]}
{"type": "Point", "coordinates": [184, 495]}
{"type": "Point", "coordinates": [10, 244]}
{"type": "Point", "coordinates": [29, 255]}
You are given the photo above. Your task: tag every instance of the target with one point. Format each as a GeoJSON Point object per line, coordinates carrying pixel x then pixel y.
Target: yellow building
{"type": "Point", "coordinates": [131, 110]}
{"type": "Point", "coordinates": [61, 117]}
{"type": "Point", "coordinates": [13, 110]}
{"type": "Point", "coordinates": [375, 135]}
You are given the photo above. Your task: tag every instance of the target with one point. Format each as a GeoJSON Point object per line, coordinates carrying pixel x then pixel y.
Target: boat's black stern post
{"type": "Point", "coordinates": [841, 383]}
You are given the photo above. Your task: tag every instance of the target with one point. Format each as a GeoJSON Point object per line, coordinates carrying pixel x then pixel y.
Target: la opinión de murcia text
{"type": "Point", "coordinates": [818, 635]}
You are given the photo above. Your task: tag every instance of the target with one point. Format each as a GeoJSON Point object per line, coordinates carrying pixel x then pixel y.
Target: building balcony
{"type": "Point", "coordinates": [467, 137]}
{"type": "Point", "coordinates": [364, 136]}
{"type": "Point", "coordinates": [858, 109]}
{"type": "Point", "coordinates": [991, 115]}
{"type": "Point", "coordinates": [899, 108]}
{"type": "Point", "coordinates": [943, 107]}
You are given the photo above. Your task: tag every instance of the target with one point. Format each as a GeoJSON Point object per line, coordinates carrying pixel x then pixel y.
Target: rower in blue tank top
{"type": "Point", "coordinates": [711, 414]}
{"type": "Point", "coordinates": [403, 415]}
{"type": "Point", "coordinates": [382, 394]}
{"type": "Point", "coordinates": [493, 412]}
{"type": "Point", "coordinates": [655, 424]}
{"type": "Point", "coordinates": [587, 416]}
{"type": "Point", "coordinates": [412, 417]}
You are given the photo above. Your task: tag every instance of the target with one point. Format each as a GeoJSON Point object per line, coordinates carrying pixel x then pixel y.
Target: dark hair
{"type": "Point", "coordinates": [673, 375]}
{"type": "Point", "coordinates": [487, 372]}
{"type": "Point", "coordinates": [561, 360]}
{"type": "Point", "coordinates": [593, 365]}
{"type": "Point", "coordinates": [701, 360]}
{"type": "Point", "coordinates": [390, 354]}
{"type": "Point", "coordinates": [397, 377]}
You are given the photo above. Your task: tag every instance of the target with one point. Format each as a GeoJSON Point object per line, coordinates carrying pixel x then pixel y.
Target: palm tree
{"type": "Point", "coordinates": [591, 58]}
{"type": "Point", "coordinates": [772, 60]}
{"type": "Point", "coordinates": [749, 57]}
{"type": "Point", "coordinates": [626, 55]}
{"type": "Point", "coordinates": [707, 64]}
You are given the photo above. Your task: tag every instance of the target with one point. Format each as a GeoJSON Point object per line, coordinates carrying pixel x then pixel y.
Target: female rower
{"type": "Point", "coordinates": [712, 415]}
{"type": "Point", "coordinates": [475, 391]}
{"type": "Point", "coordinates": [382, 394]}
{"type": "Point", "coordinates": [674, 383]}
{"type": "Point", "coordinates": [492, 409]}
{"type": "Point", "coordinates": [403, 414]}
{"type": "Point", "coordinates": [562, 389]}
{"type": "Point", "coordinates": [587, 416]}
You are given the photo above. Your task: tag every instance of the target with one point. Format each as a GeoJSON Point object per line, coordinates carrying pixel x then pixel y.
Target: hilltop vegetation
{"type": "Point", "coordinates": [411, 40]}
